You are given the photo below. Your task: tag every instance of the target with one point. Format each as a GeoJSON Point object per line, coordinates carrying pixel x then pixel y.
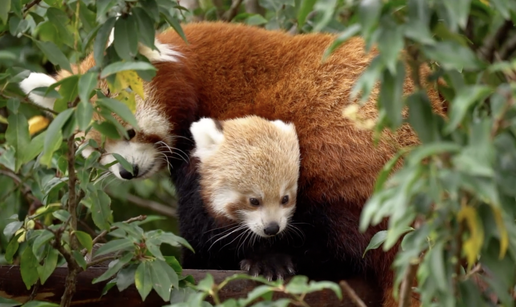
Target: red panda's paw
{"type": "Point", "coordinates": [271, 266]}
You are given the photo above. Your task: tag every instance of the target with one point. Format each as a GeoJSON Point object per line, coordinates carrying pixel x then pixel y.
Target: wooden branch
{"type": "Point", "coordinates": [406, 285]}
{"type": "Point", "coordinates": [233, 10]}
{"type": "Point", "coordinates": [152, 205]}
{"type": "Point", "coordinates": [88, 294]}
{"type": "Point", "coordinates": [351, 294]}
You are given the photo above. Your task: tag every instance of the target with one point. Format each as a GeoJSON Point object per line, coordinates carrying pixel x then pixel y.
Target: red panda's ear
{"type": "Point", "coordinates": [287, 127]}
{"type": "Point", "coordinates": [207, 134]}
{"type": "Point", "coordinates": [35, 80]}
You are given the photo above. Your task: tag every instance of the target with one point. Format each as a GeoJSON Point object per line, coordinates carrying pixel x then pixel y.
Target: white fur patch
{"type": "Point", "coordinates": [162, 53]}
{"type": "Point", "coordinates": [284, 126]}
{"type": "Point", "coordinates": [35, 80]}
{"type": "Point", "coordinates": [207, 138]}
{"type": "Point", "coordinates": [152, 121]}
{"type": "Point", "coordinates": [221, 199]}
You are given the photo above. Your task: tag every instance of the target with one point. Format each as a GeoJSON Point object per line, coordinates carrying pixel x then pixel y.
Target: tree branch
{"type": "Point", "coordinates": [133, 219]}
{"type": "Point", "coordinates": [488, 50]}
{"type": "Point", "coordinates": [351, 294]}
{"type": "Point", "coordinates": [152, 205]}
{"type": "Point", "coordinates": [233, 10]}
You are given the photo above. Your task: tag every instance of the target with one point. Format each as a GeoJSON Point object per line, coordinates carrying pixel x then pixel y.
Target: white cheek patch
{"type": "Point", "coordinates": [35, 80]}
{"type": "Point", "coordinates": [145, 156]}
{"type": "Point", "coordinates": [221, 199]}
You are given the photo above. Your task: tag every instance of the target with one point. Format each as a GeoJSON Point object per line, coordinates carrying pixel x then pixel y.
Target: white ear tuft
{"type": "Point", "coordinates": [162, 53]}
{"type": "Point", "coordinates": [35, 80]}
{"type": "Point", "coordinates": [207, 137]}
{"type": "Point", "coordinates": [284, 126]}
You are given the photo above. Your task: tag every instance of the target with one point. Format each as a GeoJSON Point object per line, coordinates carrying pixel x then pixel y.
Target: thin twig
{"type": "Point", "coordinates": [406, 285]}
{"type": "Point", "coordinates": [233, 10]}
{"type": "Point", "coordinates": [488, 49]}
{"type": "Point", "coordinates": [351, 294]}
{"type": "Point", "coordinates": [152, 205]}
{"type": "Point", "coordinates": [28, 6]}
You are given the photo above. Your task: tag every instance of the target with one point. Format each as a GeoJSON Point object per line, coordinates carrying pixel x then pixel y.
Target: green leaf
{"type": "Point", "coordinates": [342, 38]}
{"type": "Point", "coordinates": [87, 83]}
{"type": "Point", "coordinates": [60, 20]}
{"type": "Point", "coordinates": [172, 239]}
{"type": "Point", "coordinates": [386, 171]}
{"type": "Point", "coordinates": [115, 246]}
{"type": "Point", "coordinates": [369, 14]}
{"type": "Point", "coordinates": [113, 68]}
{"type": "Point", "coordinates": [35, 147]}
{"type": "Point", "coordinates": [29, 267]}
{"type": "Point", "coordinates": [163, 278]}
{"type": "Point", "coordinates": [99, 47]}
{"type": "Point", "coordinates": [101, 209]}
{"type": "Point", "coordinates": [464, 99]}
{"type": "Point", "coordinates": [42, 239]}
{"type": "Point", "coordinates": [304, 9]}
{"type": "Point", "coordinates": [391, 91]}
{"type": "Point", "coordinates": [5, 302]}
{"type": "Point", "coordinates": [255, 20]}
{"type": "Point", "coordinates": [126, 38]}
{"type": "Point", "coordinates": [17, 135]}
{"type": "Point", "coordinates": [114, 267]}
{"type": "Point", "coordinates": [54, 54]}
{"type": "Point", "coordinates": [146, 31]}
{"type": "Point", "coordinates": [125, 277]}
{"type": "Point", "coordinates": [80, 259]}
{"type": "Point", "coordinates": [48, 267]}
{"type": "Point", "coordinates": [54, 136]}
{"type": "Point", "coordinates": [426, 150]}
{"type": "Point", "coordinates": [84, 115]}
{"type": "Point", "coordinates": [154, 249]}
{"type": "Point", "coordinates": [254, 294]}
{"type": "Point", "coordinates": [174, 23]}
{"type": "Point", "coordinates": [12, 248]}
{"type": "Point", "coordinates": [452, 55]}
{"type": "Point", "coordinates": [143, 279]}
{"type": "Point", "coordinates": [85, 240]}
{"type": "Point", "coordinates": [206, 284]}
{"type": "Point", "coordinates": [421, 117]}
{"type": "Point", "coordinates": [390, 44]}
{"type": "Point", "coordinates": [120, 109]}
{"type": "Point", "coordinates": [367, 80]}
{"type": "Point", "coordinates": [11, 228]}
{"type": "Point", "coordinates": [40, 304]}
{"type": "Point", "coordinates": [377, 240]}
{"type": "Point", "coordinates": [69, 89]}
{"type": "Point", "coordinates": [5, 8]}
{"type": "Point", "coordinates": [13, 104]}
{"type": "Point", "coordinates": [126, 165]}
{"type": "Point", "coordinates": [61, 215]}
{"type": "Point", "coordinates": [459, 11]}
{"type": "Point", "coordinates": [107, 129]}
{"type": "Point", "coordinates": [103, 6]}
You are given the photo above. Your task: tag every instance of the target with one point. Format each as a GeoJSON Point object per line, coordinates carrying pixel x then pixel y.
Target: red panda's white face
{"type": "Point", "coordinates": [249, 168]}
{"type": "Point", "coordinates": [147, 147]}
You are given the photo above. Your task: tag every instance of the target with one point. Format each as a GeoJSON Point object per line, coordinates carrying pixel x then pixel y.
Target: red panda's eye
{"type": "Point", "coordinates": [254, 202]}
{"type": "Point", "coordinates": [131, 134]}
{"type": "Point", "coordinates": [284, 200]}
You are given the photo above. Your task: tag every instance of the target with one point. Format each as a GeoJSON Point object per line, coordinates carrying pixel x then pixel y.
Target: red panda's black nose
{"type": "Point", "coordinates": [127, 175]}
{"type": "Point", "coordinates": [271, 229]}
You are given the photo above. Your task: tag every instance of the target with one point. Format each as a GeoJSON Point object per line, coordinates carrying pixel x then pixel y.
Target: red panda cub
{"type": "Point", "coordinates": [247, 170]}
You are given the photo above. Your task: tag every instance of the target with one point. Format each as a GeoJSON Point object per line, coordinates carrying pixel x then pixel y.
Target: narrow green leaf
{"type": "Point", "coordinates": [120, 109]}
{"type": "Point", "coordinates": [54, 137]}
{"type": "Point", "coordinates": [87, 83]}
{"type": "Point", "coordinates": [163, 278]}
{"type": "Point", "coordinates": [39, 304]}
{"type": "Point", "coordinates": [154, 249]}
{"type": "Point", "coordinates": [174, 23]}
{"type": "Point", "coordinates": [17, 135]}
{"type": "Point", "coordinates": [421, 117]}
{"type": "Point", "coordinates": [60, 21]}
{"type": "Point", "coordinates": [101, 209]}
{"type": "Point", "coordinates": [426, 150]}
{"type": "Point", "coordinates": [11, 228]}
{"type": "Point", "coordinates": [5, 8]}
{"type": "Point", "coordinates": [114, 267]}
{"type": "Point", "coordinates": [126, 38]}
{"type": "Point", "coordinates": [255, 20]}
{"type": "Point", "coordinates": [390, 44]}
{"type": "Point", "coordinates": [107, 129]}
{"type": "Point", "coordinates": [341, 39]}
{"type": "Point", "coordinates": [376, 241]}
{"type": "Point", "coordinates": [99, 47]}
{"type": "Point", "coordinates": [80, 259]}
{"type": "Point", "coordinates": [125, 277]}
{"type": "Point", "coordinates": [255, 294]}
{"type": "Point", "coordinates": [391, 91]}
{"type": "Point", "coordinates": [386, 171]}
{"type": "Point", "coordinates": [29, 267]}
{"type": "Point", "coordinates": [172, 239]}
{"type": "Point", "coordinates": [84, 115]}
{"type": "Point", "coordinates": [464, 99]}
{"type": "Point", "coordinates": [69, 90]}
{"type": "Point", "coordinates": [35, 147]}
{"type": "Point", "coordinates": [103, 6]}
{"type": "Point", "coordinates": [85, 240]}
{"type": "Point", "coordinates": [304, 9]}
{"type": "Point", "coordinates": [206, 284]}
{"type": "Point", "coordinates": [12, 248]}
{"type": "Point", "coordinates": [459, 9]}
{"type": "Point", "coordinates": [143, 279]}
{"type": "Point", "coordinates": [146, 30]}
{"type": "Point", "coordinates": [369, 14]}
{"type": "Point", "coordinates": [54, 54]}
{"type": "Point", "coordinates": [113, 68]}
{"type": "Point", "coordinates": [452, 55]}
{"type": "Point", "coordinates": [5, 302]}
{"type": "Point", "coordinates": [367, 80]}
{"type": "Point", "coordinates": [48, 267]}
{"type": "Point", "coordinates": [115, 246]}
{"type": "Point", "coordinates": [61, 215]}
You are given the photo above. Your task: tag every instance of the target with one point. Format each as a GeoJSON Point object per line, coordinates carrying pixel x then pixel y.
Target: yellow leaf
{"type": "Point", "coordinates": [473, 244]}
{"type": "Point", "coordinates": [504, 237]}
{"type": "Point", "coordinates": [22, 237]}
{"type": "Point", "coordinates": [128, 99]}
{"type": "Point", "coordinates": [37, 123]}
{"type": "Point", "coordinates": [486, 2]}
{"type": "Point", "coordinates": [129, 78]}
{"type": "Point", "coordinates": [3, 120]}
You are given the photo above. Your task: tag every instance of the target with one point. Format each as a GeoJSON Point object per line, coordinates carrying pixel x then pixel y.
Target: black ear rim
{"type": "Point", "coordinates": [218, 124]}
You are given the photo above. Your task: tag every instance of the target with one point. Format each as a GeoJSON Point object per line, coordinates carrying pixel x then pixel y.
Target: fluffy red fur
{"type": "Point", "coordinates": [230, 70]}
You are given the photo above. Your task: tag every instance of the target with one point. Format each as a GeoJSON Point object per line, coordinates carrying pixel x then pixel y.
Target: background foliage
{"type": "Point", "coordinates": [452, 202]}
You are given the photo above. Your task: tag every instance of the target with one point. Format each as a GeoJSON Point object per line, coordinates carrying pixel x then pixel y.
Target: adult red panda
{"type": "Point", "coordinates": [230, 70]}
{"type": "Point", "coordinates": [247, 173]}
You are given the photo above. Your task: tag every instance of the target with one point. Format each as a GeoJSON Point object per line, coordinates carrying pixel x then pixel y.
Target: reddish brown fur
{"type": "Point", "coordinates": [233, 70]}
